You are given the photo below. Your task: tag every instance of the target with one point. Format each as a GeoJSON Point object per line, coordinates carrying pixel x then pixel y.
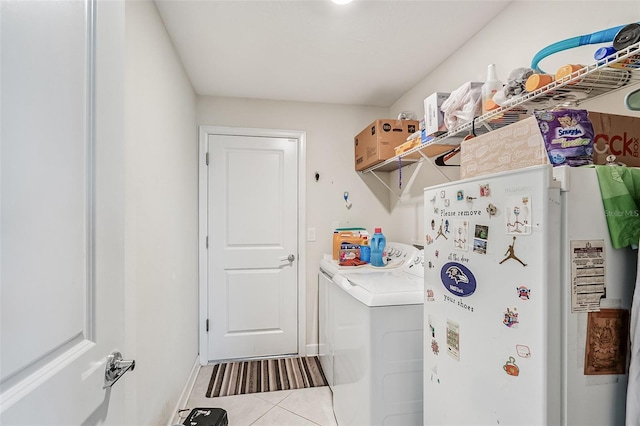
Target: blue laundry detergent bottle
{"type": "Point", "coordinates": [365, 250]}
{"type": "Point", "coordinates": [378, 242]}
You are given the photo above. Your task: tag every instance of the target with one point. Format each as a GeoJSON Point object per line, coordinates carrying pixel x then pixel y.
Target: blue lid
{"type": "Point", "coordinates": [603, 52]}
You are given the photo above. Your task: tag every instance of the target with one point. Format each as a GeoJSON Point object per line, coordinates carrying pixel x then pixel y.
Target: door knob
{"type": "Point", "coordinates": [115, 368]}
{"type": "Point", "coordinates": [289, 258]}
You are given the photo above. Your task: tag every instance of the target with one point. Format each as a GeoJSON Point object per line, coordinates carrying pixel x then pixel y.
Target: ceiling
{"type": "Point", "coordinates": [368, 52]}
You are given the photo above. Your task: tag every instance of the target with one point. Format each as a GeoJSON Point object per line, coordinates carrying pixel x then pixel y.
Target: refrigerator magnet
{"type": "Point", "coordinates": [458, 279]}
{"type": "Point", "coordinates": [524, 293]}
{"type": "Point", "coordinates": [511, 318]}
{"type": "Point", "coordinates": [485, 191]}
{"type": "Point", "coordinates": [460, 195]}
{"type": "Point", "coordinates": [523, 351]}
{"type": "Point", "coordinates": [429, 294]}
{"type": "Point", "coordinates": [518, 212]}
{"type": "Point", "coordinates": [511, 367]}
{"type": "Point", "coordinates": [492, 210]}
{"type": "Point", "coordinates": [434, 347]}
{"type": "Point", "coordinates": [434, 376]}
{"type": "Point", "coordinates": [433, 224]}
{"type": "Point", "coordinates": [461, 235]}
{"type": "Point", "coordinates": [446, 202]}
{"type": "Point", "coordinates": [511, 254]}
{"type": "Point", "coordinates": [481, 234]}
{"type": "Point", "coordinates": [453, 339]}
{"type": "Point", "coordinates": [441, 231]}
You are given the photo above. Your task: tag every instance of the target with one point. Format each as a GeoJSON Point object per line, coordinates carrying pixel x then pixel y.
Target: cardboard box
{"type": "Point", "coordinates": [433, 116]}
{"type": "Point", "coordinates": [618, 135]}
{"type": "Point", "coordinates": [512, 147]}
{"type": "Point", "coordinates": [377, 142]}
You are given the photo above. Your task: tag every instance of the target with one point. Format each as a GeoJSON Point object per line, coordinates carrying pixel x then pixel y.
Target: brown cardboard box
{"type": "Point", "coordinates": [377, 142]}
{"type": "Point", "coordinates": [512, 147]}
{"type": "Point", "coordinates": [618, 135]}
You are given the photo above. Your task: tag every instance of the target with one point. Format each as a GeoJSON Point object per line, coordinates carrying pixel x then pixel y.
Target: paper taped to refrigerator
{"type": "Point", "coordinates": [587, 275]}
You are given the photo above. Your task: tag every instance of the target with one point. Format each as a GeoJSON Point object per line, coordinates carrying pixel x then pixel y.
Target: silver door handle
{"type": "Point", "coordinates": [115, 368]}
{"type": "Point", "coordinates": [289, 258]}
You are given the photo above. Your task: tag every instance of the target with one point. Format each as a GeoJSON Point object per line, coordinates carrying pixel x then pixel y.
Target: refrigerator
{"type": "Point", "coordinates": [526, 302]}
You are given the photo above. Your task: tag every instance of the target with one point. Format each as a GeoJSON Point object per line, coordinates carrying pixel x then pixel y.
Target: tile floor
{"type": "Point", "coordinates": [299, 407]}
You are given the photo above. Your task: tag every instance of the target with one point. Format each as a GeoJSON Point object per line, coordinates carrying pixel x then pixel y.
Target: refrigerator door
{"type": "Point", "coordinates": [492, 300]}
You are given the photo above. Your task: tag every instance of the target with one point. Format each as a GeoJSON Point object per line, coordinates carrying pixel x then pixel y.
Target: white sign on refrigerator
{"type": "Point", "coordinates": [587, 275]}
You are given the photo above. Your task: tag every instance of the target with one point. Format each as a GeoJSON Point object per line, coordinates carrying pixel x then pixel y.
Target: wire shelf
{"type": "Point", "coordinates": [618, 70]}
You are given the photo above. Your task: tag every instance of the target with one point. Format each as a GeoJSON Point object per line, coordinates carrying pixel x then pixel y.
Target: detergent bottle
{"type": "Point", "coordinates": [378, 242]}
{"type": "Point", "coordinates": [365, 250]}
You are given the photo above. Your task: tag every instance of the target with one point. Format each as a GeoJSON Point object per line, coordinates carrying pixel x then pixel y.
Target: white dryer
{"type": "Point", "coordinates": [370, 338]}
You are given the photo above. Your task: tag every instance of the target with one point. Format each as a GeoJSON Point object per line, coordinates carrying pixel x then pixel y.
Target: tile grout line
{"type": "Point", "coordinates": [264, 414]}
{"type": "Point", "coordinates": [300, 415]}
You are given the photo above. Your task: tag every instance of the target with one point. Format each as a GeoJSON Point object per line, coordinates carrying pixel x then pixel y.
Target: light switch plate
{"type": "Point", "coordinates": [311, 234]}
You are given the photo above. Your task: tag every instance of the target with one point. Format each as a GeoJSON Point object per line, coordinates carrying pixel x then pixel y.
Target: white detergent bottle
{"type": "Point", "coordinates": [489, 89]}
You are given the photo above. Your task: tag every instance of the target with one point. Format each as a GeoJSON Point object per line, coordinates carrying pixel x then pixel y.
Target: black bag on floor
{"type": "Point", "coordinates": [206, 417]}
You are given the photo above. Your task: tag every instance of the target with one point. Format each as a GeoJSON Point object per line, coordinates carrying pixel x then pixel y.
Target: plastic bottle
{"type": "Point", "coordinates": [365, 250]}
{"type": "Point", "coordinates": [489, 88]}
{"type": "Point", "coordinates": [630, 62]}
{"type": "Point", "coordinates": [378, 243]}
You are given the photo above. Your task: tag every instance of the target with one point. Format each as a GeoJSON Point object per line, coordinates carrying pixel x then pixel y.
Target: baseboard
{"type": "Point", "coordinates": [312, 349]}
{"type": "Point", "coordinates": [186, 391]}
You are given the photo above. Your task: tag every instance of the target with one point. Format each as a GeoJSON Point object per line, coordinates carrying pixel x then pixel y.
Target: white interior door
{"type": "Point", "coordinates": [253, 251]}
{"type": "Point", "coordinates": [61, 295]}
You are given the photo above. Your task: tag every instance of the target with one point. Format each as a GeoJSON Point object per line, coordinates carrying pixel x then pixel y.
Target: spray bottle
{"type": "Point", "coordinates": [489, 89]}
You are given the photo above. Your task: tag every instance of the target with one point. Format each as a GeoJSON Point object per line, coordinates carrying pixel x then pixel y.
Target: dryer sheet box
{"type": "Point", "coordinates": [433, 115]}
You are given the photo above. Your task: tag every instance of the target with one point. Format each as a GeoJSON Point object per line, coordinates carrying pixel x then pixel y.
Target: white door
{"type": "Point", "coordinates": [61, 295]}
{"type": "Point", "coordinates": [253, 263]}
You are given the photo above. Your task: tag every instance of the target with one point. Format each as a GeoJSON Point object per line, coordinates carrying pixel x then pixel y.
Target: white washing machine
{"type": "Point", "coordinates": [370, 338]}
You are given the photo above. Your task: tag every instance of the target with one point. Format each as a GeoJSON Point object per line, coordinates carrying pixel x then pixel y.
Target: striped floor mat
{"type": "Point", "coordinates": [237, 378]}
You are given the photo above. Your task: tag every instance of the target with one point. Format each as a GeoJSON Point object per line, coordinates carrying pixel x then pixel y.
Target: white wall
{"type": "Point", "coordinates": [510, 41]}
{"type": "Point", "coordinates": [330, 130]}
{"type": "Point", "coordinates": [161, 218]}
